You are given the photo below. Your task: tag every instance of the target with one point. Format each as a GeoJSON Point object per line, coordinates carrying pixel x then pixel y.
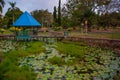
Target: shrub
{"type": "Point", "coordinates": [9, 69]}
{"type": "Point", "coordinates": [58, 28]}
{"type": "Point", "coordinates": [69, 29]}
{"type": "Point", "coordinates": [71, 49]}
{"type": "Point", "coordinates": [2, 30]}
{"type": "Point", "coordinates": [56, 60]}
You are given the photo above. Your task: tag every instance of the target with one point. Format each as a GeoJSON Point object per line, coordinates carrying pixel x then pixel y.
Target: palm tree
{"type": "Point", "coordinates": [2, 3]}
{"type": "Point", "coordinates": [12, 8]}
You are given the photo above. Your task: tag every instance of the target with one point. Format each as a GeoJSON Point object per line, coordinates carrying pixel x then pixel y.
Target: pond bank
{"type": "Point", "coordinates": [113, 44]}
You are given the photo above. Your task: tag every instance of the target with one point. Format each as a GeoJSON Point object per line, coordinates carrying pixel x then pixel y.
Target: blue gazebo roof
{"type": "Point", "coordinates": [26, 20]}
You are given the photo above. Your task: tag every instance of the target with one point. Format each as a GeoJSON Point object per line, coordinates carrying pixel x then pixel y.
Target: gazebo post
{"type": "Point", "coordinates": [33, 30]}
{"type": "Point", "coordinates": [36, 30]}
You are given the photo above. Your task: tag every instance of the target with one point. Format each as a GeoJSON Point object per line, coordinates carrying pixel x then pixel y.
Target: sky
{"type": "Point", "coordinates": [30, 5]}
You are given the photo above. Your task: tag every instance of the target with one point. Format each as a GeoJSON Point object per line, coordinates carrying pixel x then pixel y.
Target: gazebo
{"type": "Point", "coordinates": [28, 25]}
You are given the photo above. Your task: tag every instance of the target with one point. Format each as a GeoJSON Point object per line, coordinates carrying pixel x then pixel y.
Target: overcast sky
{"type": "Point", "coordinates": [30, 5]}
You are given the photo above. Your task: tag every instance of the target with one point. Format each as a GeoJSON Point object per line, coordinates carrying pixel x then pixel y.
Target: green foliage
{"type": "Point", "coordinates": [69, 29]}
{"type": "Point", "coordinates": [36, 47]}
{"type": "Point", "coordinates": [96, 12]}
{"type": "Point", "coordinates": [66, 22]}
{"type": "Point", "coordinates": [2, 30]}
{"type": "Point", "coordinates": [43, 16]}
{"type": "Point", "coordinates": [55, 15]}
{"type": "Point", "coordinates": [114, 19]}
{"type": "Point", "coordinates": [57, 28]}
{"type": "Point", "coordinates": [97, 63]}
{"type": "Point", "coordinates": [9, 67]}
{"type": "Point", "coordinates": [61, 61]}
{"type": "Point", "coordinates": [57, 60]}
{"type": "Point", "coordinates": [9, 16]}
{"type": "Point", "coordinates": [71, 49]}
{"type": "Point", "coordinates": [18, 63]}
{"type": "Point", "coordinates": [10, 70]}
{"type": "Point", "coordinates": [59, 13]}
{"type": "Point", "coordinates": [3, 22]}
{"type": "Point", "coordinates": [30, 48]}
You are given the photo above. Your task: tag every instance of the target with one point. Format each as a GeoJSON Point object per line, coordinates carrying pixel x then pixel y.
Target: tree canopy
{"type": "Point", "coordinates": [12, 14]}
{"type": "Point", "coordinates": [43, 16]}
{"type": "Point", "coordinates": [77, 11]}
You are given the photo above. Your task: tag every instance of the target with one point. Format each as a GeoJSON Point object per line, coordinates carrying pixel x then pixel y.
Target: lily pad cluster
{"type": "Point", "coordinates": [103, 65]}
{"type": "Point", "coordinates": [6, 46]}
{"type": "Point", "coordinates": [96, 65]}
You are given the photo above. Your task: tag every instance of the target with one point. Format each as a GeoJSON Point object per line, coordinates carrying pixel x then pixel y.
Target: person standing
{"type": "Point", "coordinates": [86, 26]}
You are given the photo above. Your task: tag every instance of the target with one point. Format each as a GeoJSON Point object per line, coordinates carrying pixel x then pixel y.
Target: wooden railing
{"type": "Point", "coordinates": [33, 37]}
{"type": "Point", "coordinates": [104, 43]}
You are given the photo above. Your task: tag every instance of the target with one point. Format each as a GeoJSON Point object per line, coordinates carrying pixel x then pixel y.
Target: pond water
{"type": "Point", "coordinates": [94, 67]}
{"type": "Point", "coordinates": [99, 64]}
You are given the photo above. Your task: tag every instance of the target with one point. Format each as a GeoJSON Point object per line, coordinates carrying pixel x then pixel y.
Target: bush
{"type": "Point", "coordinates": [10, 70]}
{"type": "Point", "coordinates": [2, 30]}
{"type": "Point", "coordinates": [69, 29]}
{"type": "Point", "coordinates": [57, 28]}
{"type": "Point", "coordinates": [71, 49]}
{"type": "Point", "coordinates": [57, 60]}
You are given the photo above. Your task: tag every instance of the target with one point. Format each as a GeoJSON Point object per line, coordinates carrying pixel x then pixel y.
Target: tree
{"type": "Point", "coordinates": [115, 20]}
{"type": "Point", "coordinates": [2, 3]}
{"type": "Point", "coordinates": [65, 22]}
{"type": "Point", "coordinates": [13, 8]}
{"type": "Point", "coordinates": [111, 19]}
{"type": "Point", "coordinates": [59, 13]}
{"type": "Point", "coordinates": [9, 16]}
{"type": "Point", "coordinates": [55, 15]}
{"type": "Point", "coordinates": [109, 8]}
{"type": "Point", "coordinates": [79, 11]}
{"type": "Point", "coordinates": [43, 16]}
{"type": "Point", "coordinates": [3, 22]}
{"type": "Point", "coordinates": [85, 7]}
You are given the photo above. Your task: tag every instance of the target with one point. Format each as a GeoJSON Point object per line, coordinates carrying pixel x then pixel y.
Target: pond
{"type": "Point", "coordinates": [97, 64]}
{"type": "Point", "coordinates": [58, 61]}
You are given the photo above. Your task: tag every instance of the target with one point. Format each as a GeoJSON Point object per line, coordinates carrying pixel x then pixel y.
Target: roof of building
{"type": "Point", "coordinates": [26, 20]}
